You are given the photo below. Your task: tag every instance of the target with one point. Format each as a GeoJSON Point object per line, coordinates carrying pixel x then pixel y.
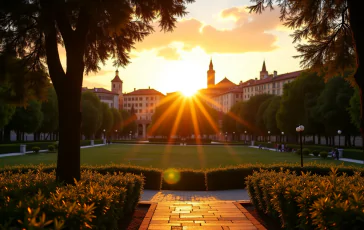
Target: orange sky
{"type": "Point", "coordinates": [237, 41]}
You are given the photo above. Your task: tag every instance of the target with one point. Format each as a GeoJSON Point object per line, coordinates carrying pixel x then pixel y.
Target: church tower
{"type": "Point", "coordinates": [117, 87]}
{"type": "Point", "coordinates": [264, 72]}
{"type": "Point", "coordinates": [211, 75]}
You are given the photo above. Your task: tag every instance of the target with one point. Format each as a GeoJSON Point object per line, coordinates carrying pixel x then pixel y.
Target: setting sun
{"type": "Point", "coordinates": [188, 92]}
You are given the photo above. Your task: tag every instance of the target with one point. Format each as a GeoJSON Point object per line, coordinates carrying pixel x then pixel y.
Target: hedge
{"type": "Point", "coordinates": [309, 201]}
{"type": "Point", "coordinates": [35, 201]}
{"type": "Point", "coordinates": [186, 180]}
{"type": "Point", "coordinates": [152, 177]}
{"type": "Point", "coordinates": [232, 177]}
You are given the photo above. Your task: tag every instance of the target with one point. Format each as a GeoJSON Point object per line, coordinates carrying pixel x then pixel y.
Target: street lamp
{"type": "Point", "coordinates": [268, 136]}
{"type": "Point", "coordinates": [339, 132]}
{"type": "Point", "coordinates": [233, 136]}
{"type": "Point", "coordinates": [300, 129]}
{"type": "Point", "coordinates": [116, 134]}
{"type": "Point", "coordinates": [130, 134]}
{"type": "Point", "coordinates": [104, 134]}
{"type": "Point", "coordinates": [282, 138]}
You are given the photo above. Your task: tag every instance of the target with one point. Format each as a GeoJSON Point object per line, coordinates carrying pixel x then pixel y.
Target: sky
{"type": "Point", "coordinates": [238, 42]}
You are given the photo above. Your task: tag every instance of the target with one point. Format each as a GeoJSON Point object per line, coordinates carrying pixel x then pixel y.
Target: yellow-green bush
{"type": "Point", "coordinates": [33, 200]}
{"type": "Point", "coordinates": [309, 201]}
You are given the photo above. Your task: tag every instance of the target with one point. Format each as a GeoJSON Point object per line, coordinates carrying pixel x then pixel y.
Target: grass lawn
{"type": "Point", "coordinates": [167, 156]}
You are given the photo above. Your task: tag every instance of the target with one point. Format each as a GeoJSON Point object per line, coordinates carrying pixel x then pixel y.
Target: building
{"type": "Point", "coordinates": [269, 84]}
{"type": "Point", "coordinates": [106, 96]}
{"type": "Point", "coordinates": [143, 102]}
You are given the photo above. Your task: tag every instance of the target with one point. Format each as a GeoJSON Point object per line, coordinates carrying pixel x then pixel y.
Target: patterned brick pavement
{"type": "Point", "coordinates": [180, 215]}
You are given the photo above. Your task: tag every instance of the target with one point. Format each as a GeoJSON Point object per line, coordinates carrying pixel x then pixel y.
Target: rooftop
{"type": "Point", "coordinates": [144, 92]}
{"type": "Point", "coordinates": [98, 90]}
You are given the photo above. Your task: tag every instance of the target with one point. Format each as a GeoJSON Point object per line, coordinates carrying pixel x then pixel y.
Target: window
{"type": "Point", "coordinates": [146, 104]}
{"type": "Point", "coordinates": [147, 98]}
{"type": "Point", "coordinates": [151, 110]}
{"type": "Point", "coordinates": [136, 105]}
{"type": "Point", "coordinates": [140, 98]}
{"type": "Point", "coordinates": [151, 104]}
{"type": "Point", "coordinates": [113, 86]}
{"type": "Point", "coordinates": [140, 110]}
{"type": "Point", "coordinates": [140, 105]}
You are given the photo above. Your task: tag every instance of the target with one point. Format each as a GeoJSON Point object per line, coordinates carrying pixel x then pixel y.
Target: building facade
{"type": "Point", "coordinates": [143, 103]}
{"type": "Point", "coordinates": [106, 96]}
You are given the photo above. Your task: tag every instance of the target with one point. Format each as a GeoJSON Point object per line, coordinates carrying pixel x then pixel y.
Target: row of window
{"type": "Point", "coordinates": [140, 98]}
{"type": "Point", "coordinates": [277, 92]}
{"type": "Point", "coordinates": [139, 105]}
{"type": "Point", "coordinates": [266, 86]}
{"type": "Point", "coordinates": [142, 110]}
{"type": "Point", "coordinates": [110, 98]}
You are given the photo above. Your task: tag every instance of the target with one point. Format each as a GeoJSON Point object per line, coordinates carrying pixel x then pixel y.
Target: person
{"type": "Point", "coordinates": [337, 154]}
{"type": "Point", "coordinates": [282, 148]}
{"type": "Point", "coordinates": [333, 153]}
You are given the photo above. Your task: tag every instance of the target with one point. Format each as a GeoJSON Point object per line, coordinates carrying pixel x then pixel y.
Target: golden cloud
{"type": "Point", "coordinates": [248, 35]}
{"type": "Point", "coordinates": [169, 53]}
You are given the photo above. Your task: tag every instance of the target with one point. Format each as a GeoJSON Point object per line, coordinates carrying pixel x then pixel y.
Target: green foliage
{"type": "Point", "coordinates": [107, 118]}
{"type": "Point", "coordinates": [269, 116]}
{"type": "Point", "coordinates": [189, 180]}
{"type": "Point", "coordinates": [35, 200]}
{"type": "Point", "coordinates": [354, 108]}
{"type": "Point", "coordinates": [27, 119]}
{"type": "Point", "coordinates": [51, 148]}
{"type": "Point", "coordinates": [6, 113]}
{"type": "Point", "coordinates": [117, 120]}
{"type": "Point", "coordinates": [309, 201]}
{"type": "Point", "coordinates": [129, 123]}
{"type": "Point", "coordinates": [50, 112]}
{"type": "Point", "coordinates": [35, 149]}
{"type": "Point", "coordinates": [298, 152]}
{"type": "Point", "coordinates": [316, 153]}
{"type": "Point", "coordinates": [306, 151]}
{"type": "Point", "coordinates": [91, 114]}
{"type": "Point", "coordinates": [324, 154]}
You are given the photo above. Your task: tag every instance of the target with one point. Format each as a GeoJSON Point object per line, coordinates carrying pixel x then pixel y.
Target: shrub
{"type": "Point", "coordinates": [316, 153]}
{"type": "Point", "coordinates": [309, 201]}
{"type": "Point", "coordinates": [306, 152]}
{"type": "Point", "coordinates": [35, 149]}
{"type": "Point", "coordinates": [323, 154]}
{"type": "Point", "coordinates": [97, 201]}
{"type": "Point", "coordinates": [184, 179]}
{"type": "Point", "coordinates": [56, 145]}
{"type": "Point", "coordinates": [51, 148]}
{"type": "Point", "coordinates": [298, 151]}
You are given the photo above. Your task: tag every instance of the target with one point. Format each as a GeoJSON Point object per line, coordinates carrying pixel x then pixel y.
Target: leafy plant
{"type": "Point", "coordinates": [306, 151]}
{"type": "Point", "coordinates": [323, 154]}
{"type": "Point", "coordinates": [316, 153]}
{"type": "Point", "coordinates": [51, 148]}
{"type": "Point", "coordinates": [35, 149]}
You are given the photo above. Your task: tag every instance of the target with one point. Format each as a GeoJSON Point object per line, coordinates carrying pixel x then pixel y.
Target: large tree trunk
{"type": "Point", "coordinates": [356, 18]}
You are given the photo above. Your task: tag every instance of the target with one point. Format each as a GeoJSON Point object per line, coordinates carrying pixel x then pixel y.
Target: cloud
{"type": "Point", "coordinates": [169, 53]}
{"type": "Point", "coordinates": [248, 35]}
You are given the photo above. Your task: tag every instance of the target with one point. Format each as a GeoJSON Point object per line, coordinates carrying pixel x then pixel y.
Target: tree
{"type": "Point", "coordinates": [354, 108]}
{"type": "Point", "coordinates": [50, 112]}
{"type": "Point", "coordinates": [332, 106]}
{"type": "Point", "coordinates": [249, 111]}
{"type": "Point", "coordinates": [334, 33]}
{"type": "Point", "coordinates": [117, 125]}
{"type": "Point", "coordinates": [129, 123]}
{"type": "Point", "coordinates": [91, 114]}
{"type": "Point", "coordinates": [269, 116]}
{"type": "Point", "coordinates": [90, 31]}
{"type": "Point", "coordinates": [297, 103]}
{"type": "Point", "coordinates": [107, 118]}
{"type": "Point", "coordinates": [27, 119]}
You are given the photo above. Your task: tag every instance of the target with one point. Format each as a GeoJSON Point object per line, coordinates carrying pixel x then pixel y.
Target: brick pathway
{"type": "Point", "coordinates": [180, 215]}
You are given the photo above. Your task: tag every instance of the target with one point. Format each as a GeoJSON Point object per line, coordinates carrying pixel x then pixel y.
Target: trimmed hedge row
{"type": "Point", "coordinates": [309, 201]}
{"type": "Point", "coordinates": [152, 177]}
{"type": "Point", "coordinates": [186, 179]}
{"type": "Point", "coordinates": [33, 200]}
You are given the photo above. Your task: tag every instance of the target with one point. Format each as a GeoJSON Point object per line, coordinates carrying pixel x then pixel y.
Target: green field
{"type": "Point", "coordinates": [167, 156]}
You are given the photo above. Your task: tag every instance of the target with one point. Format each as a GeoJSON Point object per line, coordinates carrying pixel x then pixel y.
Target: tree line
{"type": "Point", "coordinates": [323, 108]}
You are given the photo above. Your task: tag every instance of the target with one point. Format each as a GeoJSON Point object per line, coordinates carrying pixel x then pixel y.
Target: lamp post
{"type": "Point", "coordinates": [300, 129]}
{"type": "Point", "coordinates": [226, 136]}
{"type": "Point", "coordinates": [282, 138]}
{"type": "Point", "coordinates": [116, 134]}
{"type": "Point", "coordinates": [245, 136]}
{"type": "Point", "coordinates": [339, 132]}
{"type": "Point", "coordinates": [104, 134]}
{"type": "Point", "coordinates": [268, 136]}
{"type": "Point", "coordinates": [233, 136]}
{"type": "Point", "coordinates": [130, 134]}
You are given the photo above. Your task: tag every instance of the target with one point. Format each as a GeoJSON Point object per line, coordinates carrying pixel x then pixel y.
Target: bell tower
{"type": "Point", "coordinates": [211, 75]}
{"type": "Point", "coordinates": [264, 72]}
{"type": "Point", "coordinates": [117, 87]}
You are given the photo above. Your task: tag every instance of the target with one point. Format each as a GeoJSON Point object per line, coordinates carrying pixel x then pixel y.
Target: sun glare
{"type": "Point", "coordinates": [188, 92]}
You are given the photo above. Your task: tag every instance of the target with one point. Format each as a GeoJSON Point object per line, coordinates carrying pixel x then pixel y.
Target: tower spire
{"type": "Point", "coordinates": [117, 72]}
{"type": "Point", "coordinates": [264, 68]}
{"type": "Point", "coordinates": [211, 66]}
